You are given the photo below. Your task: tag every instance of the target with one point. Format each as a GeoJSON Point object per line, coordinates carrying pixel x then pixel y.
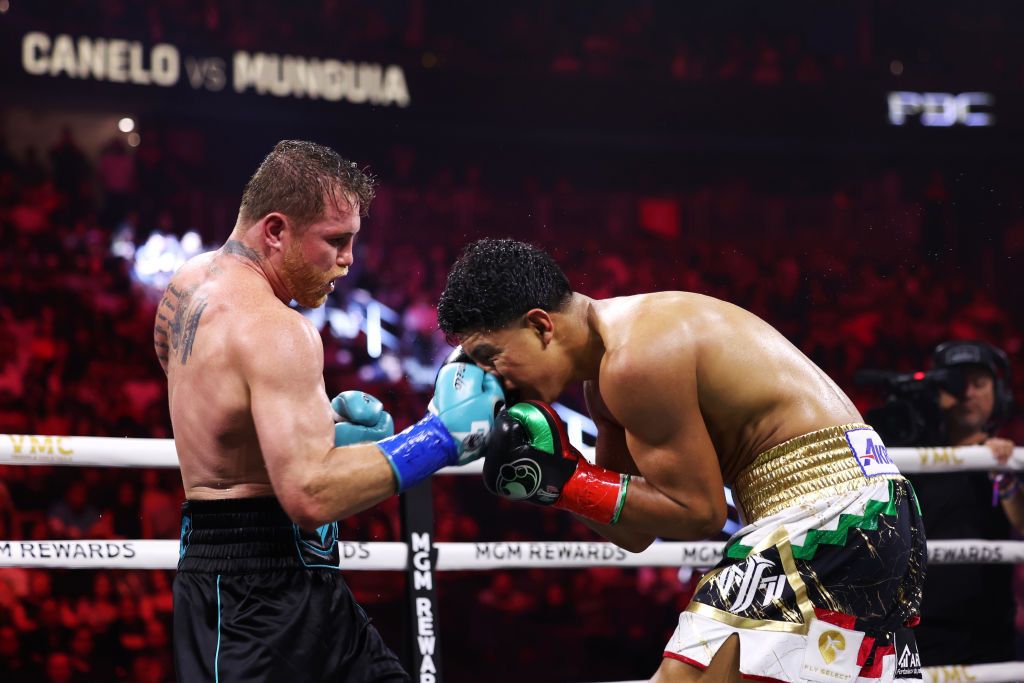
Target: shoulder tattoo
{"type": "Point", "coordinates": [177, 322]}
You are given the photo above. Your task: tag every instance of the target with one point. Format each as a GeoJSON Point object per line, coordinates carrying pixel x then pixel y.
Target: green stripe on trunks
{"type": "Point", "coordinates": [837, 536]}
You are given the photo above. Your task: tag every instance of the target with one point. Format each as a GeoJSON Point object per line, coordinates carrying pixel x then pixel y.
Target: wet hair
{"type": "Point", "coordinates": [494, 282]}
{"type": "Point", "coordinates": [297, 178]}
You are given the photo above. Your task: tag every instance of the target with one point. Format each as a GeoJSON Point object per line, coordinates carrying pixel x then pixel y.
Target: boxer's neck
{"type": "Point", "coordinates": [247, 247]}
{"type": "Point", "coordinates": [583, 338]}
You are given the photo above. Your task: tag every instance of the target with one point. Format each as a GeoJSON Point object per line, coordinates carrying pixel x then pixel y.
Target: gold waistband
{"type": "Point", "coordinates": [801, 471]}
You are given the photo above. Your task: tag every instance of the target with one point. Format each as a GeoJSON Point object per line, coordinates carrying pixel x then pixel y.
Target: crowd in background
{"type": "Point", "coordinates": [861, 264]}
{"type": "Point", "coordinates": [865, 273]}
{"type": "Point", "coordinates": [870, 272]}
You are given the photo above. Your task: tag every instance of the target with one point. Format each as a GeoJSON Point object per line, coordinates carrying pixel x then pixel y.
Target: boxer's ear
{"type": "Point", "coordinates": [273, 226]}
{"type": "Point", "coordinates": [541, 322]}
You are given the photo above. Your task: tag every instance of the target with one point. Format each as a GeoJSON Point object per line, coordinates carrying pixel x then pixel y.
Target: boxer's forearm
{"type": "Point", "coordinates": [648, 514]}
{"type": "Point", "coordinates": [628, 539]}
{"type": "Point", "coordinates": [344, 481]}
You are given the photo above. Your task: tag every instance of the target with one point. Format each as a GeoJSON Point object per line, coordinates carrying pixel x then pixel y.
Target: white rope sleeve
{"type": "Point", "coordinates": [101, 451]}
{"type": "Point", "coordinates": [909, 460]}
{"type": "Point", "coordinates": [393, 556]}
{"type": "Point", "coordinates": [570, 554]}
{"type": "Point", "coordinates": [86, 451]}
{"type": "Point", "coordinates": [163, 554]}
{"type": "Point", "coordinates": [1003, 672]}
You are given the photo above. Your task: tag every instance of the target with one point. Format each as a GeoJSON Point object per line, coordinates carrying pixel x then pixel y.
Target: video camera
{"type": "Point", "coordinates": [911, 415]}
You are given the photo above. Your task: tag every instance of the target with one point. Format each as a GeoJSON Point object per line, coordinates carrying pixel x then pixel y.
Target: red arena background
{"type": "Point", "coordinates": [847, 172]}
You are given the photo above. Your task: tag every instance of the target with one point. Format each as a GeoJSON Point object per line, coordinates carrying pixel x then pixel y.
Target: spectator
{"type": "Point", "coordinates": [159, 507]}
{"type": "Point", "coordinates": [59, 669]}
{"type": "Point", "coordinates": [71, 172]}
{"type": "Point", "coordinates": [968, 612]}
{"type": "Point", "coordinates": [16, 665]}
{"type": "Point", "coordinates": [8, 513]}
{"type": "Point", "coordinates": [117, 180]}
{"type": "Point", "coordinates": [84, 661]}
{"type": "Point", "coordinates": [123, 515]}
{"type": "Point", "coordinates": [73, 516]}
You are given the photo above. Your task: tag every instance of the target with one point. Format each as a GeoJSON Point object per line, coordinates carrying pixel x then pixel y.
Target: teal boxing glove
{"type": "Point", "coordinates": [459, 417]}
{"type": "Point", "coordinates": [360, 418]}
{"type": "Point", "coordinates": [466, 399]}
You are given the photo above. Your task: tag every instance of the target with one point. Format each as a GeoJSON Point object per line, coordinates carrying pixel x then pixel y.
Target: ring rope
{"type": "Point", "coordinates": [1002, 672]}
{"type": "Point", "coordinates": [483, 556]}
{"type": "Point", "coordinates": [105, 451]}
{"type": "Point", "coordinates": [86, 451]}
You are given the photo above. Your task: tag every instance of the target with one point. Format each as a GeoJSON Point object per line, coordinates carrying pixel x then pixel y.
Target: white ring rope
{"type": "Point", "coordinates": [483, 556]}
{"type": "Point", "coordinates": [103, 451]}
{"type": "Point", "coordinates": [92, 451]}
{"type": "Point", "coordinates": [1003, 672]}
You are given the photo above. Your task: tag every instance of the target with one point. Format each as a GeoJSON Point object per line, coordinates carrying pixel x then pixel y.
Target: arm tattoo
{"type": "Point", "coordinates": [185, 309]}
{"type": "Point", "coordinates": [237, 248]}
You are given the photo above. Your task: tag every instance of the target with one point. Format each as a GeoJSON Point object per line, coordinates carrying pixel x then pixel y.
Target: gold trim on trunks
{"type": "Point", "coordinates": [802, 471]}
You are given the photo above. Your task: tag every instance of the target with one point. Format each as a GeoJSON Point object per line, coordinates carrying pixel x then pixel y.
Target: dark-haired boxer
{"type": "Point", "coordinates": [690, 393]}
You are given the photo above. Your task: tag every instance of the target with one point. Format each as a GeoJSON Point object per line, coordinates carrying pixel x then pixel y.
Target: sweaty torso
{"type": "Point", "coordinates": [213, 309]}
{"type": "Point", "coordinates": [754, 388]}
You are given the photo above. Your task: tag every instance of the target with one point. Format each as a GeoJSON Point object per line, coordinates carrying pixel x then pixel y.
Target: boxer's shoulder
{"type": "Point", "coordinates": [277, 332]}
{"type": "Point", "coordinates": [648, 327]}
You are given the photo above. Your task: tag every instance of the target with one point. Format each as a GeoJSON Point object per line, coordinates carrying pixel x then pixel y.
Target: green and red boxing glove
{"type": "Point", "coordinates": [528, 457]}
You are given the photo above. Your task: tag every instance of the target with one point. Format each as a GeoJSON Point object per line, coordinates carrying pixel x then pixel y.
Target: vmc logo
{"type": "Point", "coordinates": [941, 109]}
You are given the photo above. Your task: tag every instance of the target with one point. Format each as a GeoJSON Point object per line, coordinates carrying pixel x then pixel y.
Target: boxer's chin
{"type": "Point", "coordinates": [305, 283]}
{"type": "Point", "coordinates": [310, 297]}
{"type": "Point", "coordinates": [309, 301]}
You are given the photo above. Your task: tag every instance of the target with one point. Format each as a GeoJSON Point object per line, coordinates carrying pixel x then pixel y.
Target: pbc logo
{"type": "Point", "coordinates": [941, 109]}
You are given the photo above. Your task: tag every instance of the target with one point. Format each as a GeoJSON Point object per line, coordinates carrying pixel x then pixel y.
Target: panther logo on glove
{"type": "Point", "coordinates": [518, 480]}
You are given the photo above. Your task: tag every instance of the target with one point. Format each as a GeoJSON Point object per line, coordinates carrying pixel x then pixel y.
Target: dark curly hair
{"type": "Point", "coordinates": [494, 282]}
{"type": "Point", "coordinates": [296, 179]}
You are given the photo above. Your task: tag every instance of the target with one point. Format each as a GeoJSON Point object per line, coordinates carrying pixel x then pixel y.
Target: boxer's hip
{"type": "Point", "coordinates": [258, 599]}
{"type": "Point", "coordinates": [247, 535]}
{"type": "Point", "coordinates": [830, 517]}
{"type": "Point", "coordinates": [812, 468]}
{"type": "Point", "coordinates": [834, 545]}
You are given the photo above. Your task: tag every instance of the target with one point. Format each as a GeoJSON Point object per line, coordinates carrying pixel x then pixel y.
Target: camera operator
{"type": "Point", "coordinates": [967, 616]}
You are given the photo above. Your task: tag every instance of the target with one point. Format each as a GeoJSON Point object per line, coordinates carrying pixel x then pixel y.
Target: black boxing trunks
{"type": "Point", "coordinates": [256, 598]}
{"type": "Point", "coordinates": [824, 581]}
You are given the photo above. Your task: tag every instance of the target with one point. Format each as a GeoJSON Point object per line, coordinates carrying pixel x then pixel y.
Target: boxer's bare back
{"type": "Point", "coordinates": [219, 297]}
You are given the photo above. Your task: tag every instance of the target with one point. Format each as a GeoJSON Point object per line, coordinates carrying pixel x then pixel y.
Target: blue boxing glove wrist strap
{"type": "Point", "coordinates": [419, 451]}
